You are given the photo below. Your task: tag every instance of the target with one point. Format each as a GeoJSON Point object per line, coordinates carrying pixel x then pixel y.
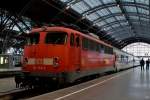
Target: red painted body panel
{"type": "Point", "coordinates": [47, 51]}
{"type": "Point", "coordinates": [92, 60]}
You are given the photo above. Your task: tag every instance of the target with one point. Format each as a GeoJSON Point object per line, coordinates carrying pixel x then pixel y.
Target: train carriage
{"type": "Point", "coordinates": [124, 60]}
{"type": "Point", "coordinates": [9, 61]}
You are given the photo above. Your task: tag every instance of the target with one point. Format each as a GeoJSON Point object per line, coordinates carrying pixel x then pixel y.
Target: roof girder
{"type": "Point", "coordinates": [99, 7]}
{"type": "Point", "coordinates": [120, 21]}
{"type": "Point", "coordinates": [121, 34]}
{"type": "Point", "coordinates": [134, 39]}
{"type": "Point", "coordinates": [143, 25]}
{"type": "Point", "coordinates": [120, 14]}
{"type": "Point", "coordinates": [126, 27]}
{"type": "Point", "coordinates": [126, 36]}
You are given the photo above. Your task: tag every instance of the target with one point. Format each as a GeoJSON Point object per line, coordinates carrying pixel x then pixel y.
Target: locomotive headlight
{"type": "Point", "coordinates": [51, 61]}
{"type": "Point", "coordinates": [24, 60]}
{"type": "Point", "coordinates": [56, 61]}
{"type": "Point", "coordinates": [31, 61]}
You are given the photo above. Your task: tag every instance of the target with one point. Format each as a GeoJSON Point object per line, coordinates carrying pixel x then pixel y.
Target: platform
{"type": "Point", "coordinates": [9, 72]}
{"type": "Point", "coordinates": [7, 84]}
{"type": "Point", "coordinates": [10, 69]}
{"type": "Point", "coordinates": [132, 84]}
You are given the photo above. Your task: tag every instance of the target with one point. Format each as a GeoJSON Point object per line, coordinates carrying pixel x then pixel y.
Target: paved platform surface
{"type": "Point", "coordinates": [132, 84]}
{"type": "Point", "coordinates": [10, 69]}
{"type": "Point", "coordinates": [6, 85]}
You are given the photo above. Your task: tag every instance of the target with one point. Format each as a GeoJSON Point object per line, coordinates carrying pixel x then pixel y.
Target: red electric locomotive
{"type": "Point", "coordinates": [64, 55]}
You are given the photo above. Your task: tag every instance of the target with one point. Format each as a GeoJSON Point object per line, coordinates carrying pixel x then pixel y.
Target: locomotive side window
{"type": "Point", "coordinates": [77, 41]}
{"type": "Point", "coordinates": [108, 50]}
{"type": "Point", "coordinates": [90, 47]}
{"type": "Point", "coordinates": [102, 50]}
{"type": "Point", "coordinates": [72, 40]}
{"type": "Point", "coordinates": [56, 38]}
{"type": "Point", "coordinates": [97, 47]}
{"type": "Point", "coordinates": [111, 51]}
{"type": "Point", "coordinates": [94, 46]}
{"type": "Point", "coordinates": [85, 43]}
{"type": "Point", "coordinates": [33, 38]}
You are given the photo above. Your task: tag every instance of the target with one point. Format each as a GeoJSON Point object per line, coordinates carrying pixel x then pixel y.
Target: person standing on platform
{"type": "Point", "coordinates": [142, 63]}
{"type": "Point", "coordinates": [147, 64]}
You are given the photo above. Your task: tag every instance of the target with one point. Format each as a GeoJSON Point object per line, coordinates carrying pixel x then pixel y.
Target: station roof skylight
{"type": "Point", "coordinates": [122, 18]}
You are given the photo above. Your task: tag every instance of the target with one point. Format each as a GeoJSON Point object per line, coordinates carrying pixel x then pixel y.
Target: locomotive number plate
{"type": "Point", "coordinates": [48, 61]}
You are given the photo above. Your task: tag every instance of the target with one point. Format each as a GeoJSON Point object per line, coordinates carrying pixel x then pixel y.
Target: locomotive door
{"type": "Point", "coordinates": [78, 52]}
{"type": "Point", "coordinates": [74, 55]}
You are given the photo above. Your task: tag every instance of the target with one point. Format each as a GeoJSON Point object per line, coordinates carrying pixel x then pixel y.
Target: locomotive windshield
{"type": "Point", "coordinates": [56, 38]}
{"type": "Point", "coordinates": [33, 38]}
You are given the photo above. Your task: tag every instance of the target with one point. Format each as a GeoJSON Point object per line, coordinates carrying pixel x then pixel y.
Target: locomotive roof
{"type": "Point", "coordinates": [45, 28]}
{"type": "Point", "coordinates": [65, 29]}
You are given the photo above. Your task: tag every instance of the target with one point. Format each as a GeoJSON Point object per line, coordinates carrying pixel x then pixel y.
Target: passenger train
{"type": "Point", "coordinates": [64, 55]}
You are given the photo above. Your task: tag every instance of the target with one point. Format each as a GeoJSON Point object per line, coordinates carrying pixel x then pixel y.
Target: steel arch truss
{"type": "Point", "coordinates": [130, 40]}
{"type": "Point", "coordinates": [120, 14]}
{"type": "Point", "coordinates": [11, 29]}
{"type": "Point", "coordinates": [139, 5]}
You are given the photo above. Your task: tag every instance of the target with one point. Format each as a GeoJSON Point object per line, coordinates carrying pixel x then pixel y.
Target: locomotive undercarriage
{"type": "Point", "coordinates": [33, 80]}
{"type": "Point", "coordinates": [48, 80]}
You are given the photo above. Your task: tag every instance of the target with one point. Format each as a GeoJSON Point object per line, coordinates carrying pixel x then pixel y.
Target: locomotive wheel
{"type": "Point", "coordinates": [61, 83]}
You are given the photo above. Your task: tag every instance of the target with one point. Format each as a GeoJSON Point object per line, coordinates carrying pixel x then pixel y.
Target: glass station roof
{"type": "Point", "coordinates": [122, 19]}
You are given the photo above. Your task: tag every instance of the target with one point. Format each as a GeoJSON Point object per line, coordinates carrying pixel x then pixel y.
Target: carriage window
{"type": "Point", "coordinates": [72, 40]}
{"type": "Point", "coordinates": [122, 58]}
{"type": "Point", "coordinates": [33, 38]}
{"type": "Point", "coordinates": [56, 38]}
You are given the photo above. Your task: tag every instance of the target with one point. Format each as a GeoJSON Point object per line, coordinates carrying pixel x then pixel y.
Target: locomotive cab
{"type": "Point", "coordinates": [46, 54]}
{"type": "Point", "coordinates": [45, 49]}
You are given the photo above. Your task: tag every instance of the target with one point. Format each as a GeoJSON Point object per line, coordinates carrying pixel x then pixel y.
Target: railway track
{"type": "Point", "coordinates": [22, 94]}
{"type": "Point", "coordinates": [9, 95]}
